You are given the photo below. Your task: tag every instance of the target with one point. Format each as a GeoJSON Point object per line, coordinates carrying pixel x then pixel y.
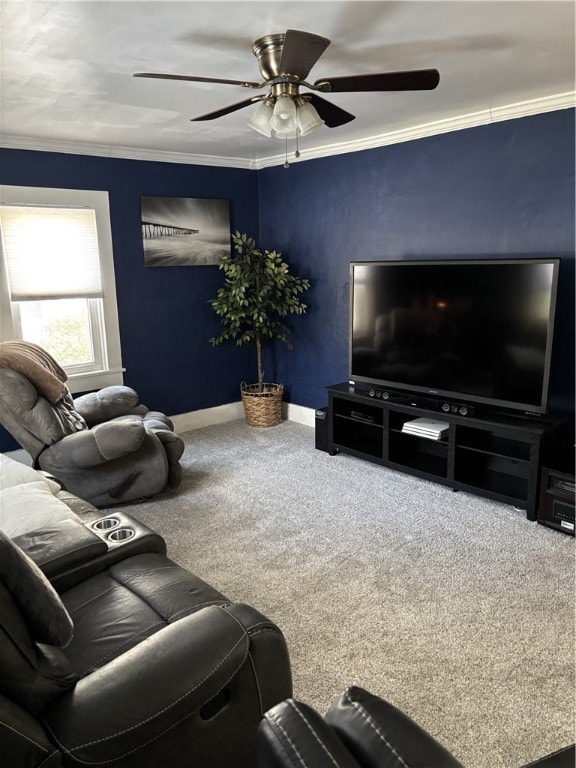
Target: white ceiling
{"type": "Point", "coordinates": [67, 71]}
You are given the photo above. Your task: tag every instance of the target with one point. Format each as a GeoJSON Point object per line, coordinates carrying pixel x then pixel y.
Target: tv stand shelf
{"type": "Point", "coordinates": [498, 456]}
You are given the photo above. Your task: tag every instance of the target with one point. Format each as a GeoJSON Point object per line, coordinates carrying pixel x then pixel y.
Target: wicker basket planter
{"type": "Point", "coordinates": [262, 409]}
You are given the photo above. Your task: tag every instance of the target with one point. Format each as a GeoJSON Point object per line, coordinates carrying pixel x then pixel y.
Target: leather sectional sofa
{"type": "Point", "coordinates": [112, 654]}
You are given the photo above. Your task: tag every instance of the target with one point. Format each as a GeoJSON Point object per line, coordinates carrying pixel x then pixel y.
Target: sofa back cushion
{"type": "Point", "coordinates": [15, 473]}
{"type": "Point", "coordinates": [29, 507]}
{"type": "Point", "coordinates": [30, 418]}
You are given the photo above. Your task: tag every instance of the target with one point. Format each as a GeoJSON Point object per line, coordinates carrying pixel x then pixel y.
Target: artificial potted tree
{"type": "Point", "coordinates": [258, 293]}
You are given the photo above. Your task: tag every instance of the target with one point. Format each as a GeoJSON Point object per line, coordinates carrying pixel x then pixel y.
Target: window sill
{"type": "Point", "coordinates": [88, 382]}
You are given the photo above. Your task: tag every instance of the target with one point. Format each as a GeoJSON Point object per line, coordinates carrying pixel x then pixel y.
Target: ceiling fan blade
{"type": "Point", "coordinates": [416, 80]}
{"type": "Point", "coordinates": [301, 50]}
{"type": "Point", "coordinates": [332, 115]}
{"type": "Point", "coordinates": [192, 78]}
{"type": "Point", "coordinates": [227, 110]}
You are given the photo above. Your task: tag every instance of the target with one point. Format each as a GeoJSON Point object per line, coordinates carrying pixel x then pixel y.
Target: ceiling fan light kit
{"type": "Point", "coordinates": [283, 119]}
{"type": "Point", "coordinates": [308, 118]}
{"type": "Point", "coordinates": [285, 61]}
{"type": "Point", "coordinates": [261, 117]}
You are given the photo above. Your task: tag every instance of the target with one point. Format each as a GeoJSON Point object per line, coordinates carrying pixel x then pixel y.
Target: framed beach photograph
{"type": "Point", "coordinates": [184, 231]}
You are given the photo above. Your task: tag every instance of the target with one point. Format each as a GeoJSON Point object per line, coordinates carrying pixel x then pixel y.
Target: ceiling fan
{"type": "Point", "coordinates": [285, 60]}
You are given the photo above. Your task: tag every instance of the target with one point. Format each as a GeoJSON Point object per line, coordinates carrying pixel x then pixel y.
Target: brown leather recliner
{"type": "Point", "coordinates": [105, 447]}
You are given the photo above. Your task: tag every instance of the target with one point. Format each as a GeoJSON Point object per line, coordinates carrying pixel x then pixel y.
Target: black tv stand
{"type": "Point", "coordinates": [494, 456]}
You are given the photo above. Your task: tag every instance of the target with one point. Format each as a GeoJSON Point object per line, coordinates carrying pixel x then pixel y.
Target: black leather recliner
{"type": "Point", "coordinates": [143, 664]}
{"type": "Point", "coordinates": [360, 730]}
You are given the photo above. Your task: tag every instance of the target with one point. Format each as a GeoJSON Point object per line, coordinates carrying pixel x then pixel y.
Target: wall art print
{"type": "Point", "coordinates": [184, 231]}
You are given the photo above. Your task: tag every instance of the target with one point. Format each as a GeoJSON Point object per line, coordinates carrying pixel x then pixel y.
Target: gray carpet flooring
{"type": "Point", "coordinates": [455, 608]}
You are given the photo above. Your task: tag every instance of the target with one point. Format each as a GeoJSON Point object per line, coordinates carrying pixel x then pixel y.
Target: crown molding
{"type": "Point", "coordinates": [458, 123]}
{"type": "Point", "coordinates": [124, 153]}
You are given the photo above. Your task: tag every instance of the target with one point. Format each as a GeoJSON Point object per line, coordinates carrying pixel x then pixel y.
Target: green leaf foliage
{"type": "Point", "coordinates": [258, 292]}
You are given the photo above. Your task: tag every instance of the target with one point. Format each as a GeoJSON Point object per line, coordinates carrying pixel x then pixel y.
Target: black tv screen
{"type": "Point", "coordinates": [477, 330]}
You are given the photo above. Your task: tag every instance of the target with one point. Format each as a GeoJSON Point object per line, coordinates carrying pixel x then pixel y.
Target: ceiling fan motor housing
{"type": "Point", "coordinates": [268, 51]}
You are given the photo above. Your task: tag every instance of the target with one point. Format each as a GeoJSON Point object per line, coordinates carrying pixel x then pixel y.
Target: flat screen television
{"type": "Point", "coordinates": [474, 330]}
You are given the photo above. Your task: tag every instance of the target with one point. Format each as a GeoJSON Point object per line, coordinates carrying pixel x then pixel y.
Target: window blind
{"type": "Point", "coordinates": [51, 253]}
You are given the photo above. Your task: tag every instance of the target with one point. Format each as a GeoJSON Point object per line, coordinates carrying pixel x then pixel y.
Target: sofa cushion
{"type": "Point", "coordinates": [27, 507]}
{"type": "Point", "coordinates": [15, 473]}
{"type": "Point", "coordinates": [135, 598]}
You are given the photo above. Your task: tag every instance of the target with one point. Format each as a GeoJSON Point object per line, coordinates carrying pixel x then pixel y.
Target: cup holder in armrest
{"type": "Point", "coordinates": [105, 524]}
{"type": "Point", "coordinates": [114, 529]}
{"type": "Point", "coordinates": [120, 535]}
{"type": "Point", "coordinates": [123, 534]}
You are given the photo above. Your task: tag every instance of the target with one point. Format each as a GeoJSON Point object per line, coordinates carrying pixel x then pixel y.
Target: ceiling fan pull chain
{"type": "Point", "coordinates": [286, 163]}
{"type": "Point", "coordinates": [297, 153]}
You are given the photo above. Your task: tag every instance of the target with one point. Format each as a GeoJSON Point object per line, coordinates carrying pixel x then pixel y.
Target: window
{"type": "Point", "coordinates": [58, 280]}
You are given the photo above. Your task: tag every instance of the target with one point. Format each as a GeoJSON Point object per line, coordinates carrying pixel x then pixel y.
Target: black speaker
{"type": "Point", "coordinates": [420, 401]}
{"type": "Point", "coordinates": [556, 509]}
{"type": "Point", "coordinates": [462, 409]}
{"type": "Point", "coordinates": [321, 422]}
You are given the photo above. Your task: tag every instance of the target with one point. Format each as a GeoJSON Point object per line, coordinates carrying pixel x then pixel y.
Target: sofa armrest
{"type": "Point", "coordinates": [268, 654]}
{"type": "Point", "coordinates": [102, 443]}
{"type": "Point", "coordinates": [60, 546]}
{"type": "Point", "coordinates": [108, 403]}
{"type": "Point", "coordinates": [24, 742]}
{"type": "Point", "coordinates": [292, 733]}
{"type": "Point", "coordinates": [360, 731]}
{"type": "Point", "coordinates": [140, 702]}
{"type": "Point", "coordinates": [144, 541]}
{"type": "Point", "coordinates": [374, 730]}
{"type": "Point", "coordinates": [69, 551]}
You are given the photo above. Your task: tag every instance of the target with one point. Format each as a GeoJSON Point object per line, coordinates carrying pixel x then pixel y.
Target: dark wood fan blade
{"type": "Point", "coordinates": [416, 80]}
{"type": "Point", "coordinates": [332, 115]}
{"type": "Point", "coordinates": [193, 79]}
{"type": "Point", "coordinates": [227, 110]}
{"type": "Point", "coordinates": [301, 50]}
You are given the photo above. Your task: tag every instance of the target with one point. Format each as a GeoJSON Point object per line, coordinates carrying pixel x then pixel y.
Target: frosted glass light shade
{"type": "Point", "coordinates": [308, 118]}
{"type": "Point", "coordinates": [283, 119]}
{"type": "Point", "coordinates": [260, 120]}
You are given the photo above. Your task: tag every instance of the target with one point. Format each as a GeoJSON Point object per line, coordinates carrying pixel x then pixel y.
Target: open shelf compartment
{"type": "Point", "coordinates": [420, 453]}
{"type": "Point", "coordinates": [488, 441]}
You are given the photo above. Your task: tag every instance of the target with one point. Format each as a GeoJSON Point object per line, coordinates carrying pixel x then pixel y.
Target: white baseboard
{"type": "Point", "coordinates": [299, 413]}
{"type": "Point", "coordinates": [205, 417]}
{"type": "Point", "coordinates": [185, 422]}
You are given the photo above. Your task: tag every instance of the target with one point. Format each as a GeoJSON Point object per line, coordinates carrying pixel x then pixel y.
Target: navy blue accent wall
{"type": "Point", "coordinates": [165, 318]}
{"type": "Point", "coordinates": [503, 189]}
